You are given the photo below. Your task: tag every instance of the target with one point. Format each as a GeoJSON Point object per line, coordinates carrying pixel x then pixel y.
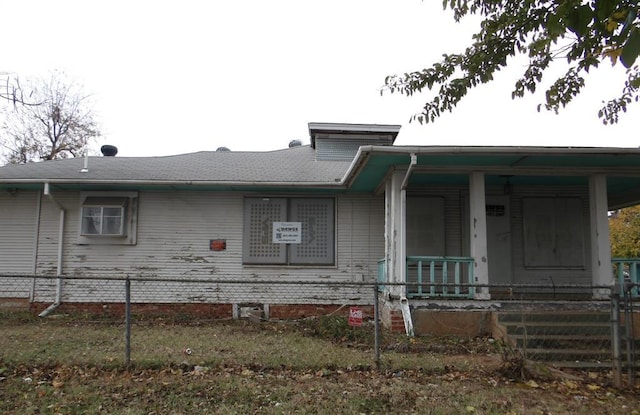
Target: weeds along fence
{"type": "Point", "coordinates": [564, 325]}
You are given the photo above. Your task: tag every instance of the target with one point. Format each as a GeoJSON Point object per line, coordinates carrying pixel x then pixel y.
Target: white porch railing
{"type": "Point", "coordinates": [436, 276]}
{"type": "Point", "coordinates": [627, 270]}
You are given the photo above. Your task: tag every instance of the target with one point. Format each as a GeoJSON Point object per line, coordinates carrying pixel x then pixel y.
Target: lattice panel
{"type": "Point", "coordinates": [317, 217]}
{"type": "Point", "coordinates": [259, 217]}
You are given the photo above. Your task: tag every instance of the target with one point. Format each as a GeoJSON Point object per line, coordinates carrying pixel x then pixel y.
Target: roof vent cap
{"type": "Point", "coordinates": [223, 149]}
{"type": "Point", "coordinates": [295, 143]}
{"type": "Point", "coordinates": [109, 150]}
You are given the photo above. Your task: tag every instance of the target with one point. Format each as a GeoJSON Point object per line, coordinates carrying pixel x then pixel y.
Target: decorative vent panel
{"type": "Point", "coordinates": [259, 216]}
{"type": "Point", "coordinates": [317, 245]}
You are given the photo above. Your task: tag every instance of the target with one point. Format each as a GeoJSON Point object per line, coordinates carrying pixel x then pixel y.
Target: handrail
{"type": "Point", "coordinates": [627, 272]}
{"type": "Point", "coordinates": [436, 276]}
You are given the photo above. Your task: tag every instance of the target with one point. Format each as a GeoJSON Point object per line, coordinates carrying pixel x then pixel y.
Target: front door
{"type": "Point", "coordinates": [499, 239]}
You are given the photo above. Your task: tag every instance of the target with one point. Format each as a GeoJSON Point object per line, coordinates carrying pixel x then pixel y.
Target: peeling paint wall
{"type": "Point", "coordinates": [173, 241]}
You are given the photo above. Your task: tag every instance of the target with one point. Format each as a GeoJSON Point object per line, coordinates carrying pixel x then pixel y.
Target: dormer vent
{"type": "Point", "coordinates": [334, 141]}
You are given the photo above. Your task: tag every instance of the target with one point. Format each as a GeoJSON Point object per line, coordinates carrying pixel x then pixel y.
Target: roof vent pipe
{"type": "Point", "coordinates": [109, 150]}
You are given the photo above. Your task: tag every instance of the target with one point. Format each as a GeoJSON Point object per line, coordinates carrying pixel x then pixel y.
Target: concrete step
{"type": "Point", "coordinates": [567, 339]}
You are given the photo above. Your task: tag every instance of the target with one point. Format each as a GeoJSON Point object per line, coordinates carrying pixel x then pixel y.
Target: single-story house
{"type": "Point", "coordinates": [462, 224]}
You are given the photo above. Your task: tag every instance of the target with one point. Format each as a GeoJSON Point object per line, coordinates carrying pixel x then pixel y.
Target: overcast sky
{"type": "Point", "coordinates": [171, 77]}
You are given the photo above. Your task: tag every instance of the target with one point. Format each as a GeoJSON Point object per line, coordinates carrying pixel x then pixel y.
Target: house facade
{"type": "Point", "coordinates": [458, 223]}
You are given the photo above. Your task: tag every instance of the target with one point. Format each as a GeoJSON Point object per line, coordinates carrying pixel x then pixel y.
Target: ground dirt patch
{"type": "Point", "coordinates": [72, 365]}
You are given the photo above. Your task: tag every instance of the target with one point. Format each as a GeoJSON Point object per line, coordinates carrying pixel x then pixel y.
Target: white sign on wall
{"type": "Point", "coordinates": [287, 232]}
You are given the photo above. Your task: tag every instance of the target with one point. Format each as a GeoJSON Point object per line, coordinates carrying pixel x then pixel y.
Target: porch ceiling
{"type": "Point", "coordinates": [521, 166]}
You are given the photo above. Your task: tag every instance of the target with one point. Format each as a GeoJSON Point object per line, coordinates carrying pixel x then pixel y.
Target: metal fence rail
{"type": "Point", "coordinates": [567, 325]}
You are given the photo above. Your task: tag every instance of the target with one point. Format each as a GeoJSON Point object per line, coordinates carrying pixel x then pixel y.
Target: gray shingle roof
{"type": "Point", "coordinates": [288, 166]}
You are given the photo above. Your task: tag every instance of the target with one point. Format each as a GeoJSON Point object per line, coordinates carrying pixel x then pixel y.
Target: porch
{"type": "Point", "coordinates": [443, 277]}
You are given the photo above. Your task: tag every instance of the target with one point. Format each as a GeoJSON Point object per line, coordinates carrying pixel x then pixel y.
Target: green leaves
{"type": "Point", "coordinates": [582, 33]}
{"type": "Point", "coordinates": [579, 19]}
{"type": "Point", "coordinates": [631, 48]}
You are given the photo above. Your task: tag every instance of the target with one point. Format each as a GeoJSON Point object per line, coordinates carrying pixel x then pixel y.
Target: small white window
{"type": "Point", "coordinates": [103, 216]}
{"type": "Point", "coordinates": [108, 218]}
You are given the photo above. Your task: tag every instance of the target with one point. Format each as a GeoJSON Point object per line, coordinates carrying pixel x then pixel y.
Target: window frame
{"type": "Point", "coordinates": [102, 223]}
{"type": "Point", "coordinates": [127, 202]}
{"type": "Point", "coordinates": [286, 254]}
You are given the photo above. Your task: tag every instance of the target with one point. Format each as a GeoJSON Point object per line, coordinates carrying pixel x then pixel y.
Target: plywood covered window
{"type": "Point", "coordinates": [317, 242]}
{"type": "Point", "coordinates": [425, 226]}
{"type": "Point", "coordinates": [553, 233]}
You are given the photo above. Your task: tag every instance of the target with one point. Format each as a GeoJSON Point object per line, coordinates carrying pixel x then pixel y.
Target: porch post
{"type": "Point", "coordinates": [396, 241]}
{"type": "Point", "coordinates": [478, 229]}
{"type": "Point", "coordinates": [601, 269]}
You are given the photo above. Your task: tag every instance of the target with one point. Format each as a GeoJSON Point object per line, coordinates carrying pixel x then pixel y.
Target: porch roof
{"type": "Point", "coordinates": [514, 165]}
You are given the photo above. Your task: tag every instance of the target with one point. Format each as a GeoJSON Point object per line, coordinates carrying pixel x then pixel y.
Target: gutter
{"type": "Point", "coordinates": [412, 166]}
{"type": "Point", "coordinates": [58, 298]}
{"type": "Point", "coordinates": [141, 182]}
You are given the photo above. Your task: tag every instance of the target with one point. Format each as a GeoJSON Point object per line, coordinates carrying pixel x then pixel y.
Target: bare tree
{"type": "Point", "coordinates": [60, 126]}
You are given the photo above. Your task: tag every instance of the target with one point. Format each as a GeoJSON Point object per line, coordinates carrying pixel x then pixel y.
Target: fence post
{"type": "Point", "coordinates": [127, 322]}
{"type": "Point", "coordinates": [628, 324]}
{"type": "Point", "coordinates": [376, 322]}
{"type": "Point", "coordinates": [615, 339]}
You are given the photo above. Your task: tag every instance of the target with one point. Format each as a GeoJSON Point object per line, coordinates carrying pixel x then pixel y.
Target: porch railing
{"type": "Point", "coordinates": [627, 270]}
{"type": "Point", "coordinates": [436, 276]}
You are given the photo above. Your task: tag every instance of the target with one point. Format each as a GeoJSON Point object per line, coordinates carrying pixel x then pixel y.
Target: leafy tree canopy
{"type": "Point", "coordinates": [624, 228]}
{"type": "Point", "coordinates": [582, 33]}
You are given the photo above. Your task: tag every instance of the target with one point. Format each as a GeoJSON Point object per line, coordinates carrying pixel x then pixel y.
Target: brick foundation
{"type": "Point", "coordinates": [206, 311]}
{"type": "Point", "coordinates": [296, 311]}
{"type": "Point", "coordinates": [391, 319]}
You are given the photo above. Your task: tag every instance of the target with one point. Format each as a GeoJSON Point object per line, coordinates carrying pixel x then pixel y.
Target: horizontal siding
{"type": "Point", "coordinates": [18, 225]}
{"type": "Point", "coordinates": [360, 237]}
{"type": "Point", "coordinates": [174, 230]}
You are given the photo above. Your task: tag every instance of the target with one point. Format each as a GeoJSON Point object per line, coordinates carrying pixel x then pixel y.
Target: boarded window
{"type": "Point", "coordinates": [425, 226]}
{"type": "Point", "coordinates": [317, 220]}
{"type": "Point", "coordinates": [553, 233]}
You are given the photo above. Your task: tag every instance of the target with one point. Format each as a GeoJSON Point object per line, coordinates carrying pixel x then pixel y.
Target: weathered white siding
{"type": "Point", "coordinates": [18, 226]}
{"type": "Point", "coordinates": [174, 229]}
{"type": "Point", "coordinates": [173, 235]}
{"type": "Point", "coordinates": [18, 218]}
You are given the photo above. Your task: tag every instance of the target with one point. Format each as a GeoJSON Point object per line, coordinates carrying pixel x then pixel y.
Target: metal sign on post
{"type": "Point", "coordinates": [355, 317]}
{"type": "Point", "coordinates": [287, 232]}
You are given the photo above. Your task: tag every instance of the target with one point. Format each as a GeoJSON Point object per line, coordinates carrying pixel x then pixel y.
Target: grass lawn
{"type": "Point", "coordinates": [75, 365]}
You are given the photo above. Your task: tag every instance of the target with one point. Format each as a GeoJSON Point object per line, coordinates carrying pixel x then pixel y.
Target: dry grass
{"type": "Point", "coordinates": [72, 365]}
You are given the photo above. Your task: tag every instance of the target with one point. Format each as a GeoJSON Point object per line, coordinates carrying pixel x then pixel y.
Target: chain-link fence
{"type": "Point", "coordinates": [149, 319]}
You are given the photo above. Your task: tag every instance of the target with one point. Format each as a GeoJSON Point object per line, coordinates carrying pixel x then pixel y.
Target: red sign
{"type": "Point", "coordinates": [217, 245]}
{"type": "Point", "coordinates": [355, 316]}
